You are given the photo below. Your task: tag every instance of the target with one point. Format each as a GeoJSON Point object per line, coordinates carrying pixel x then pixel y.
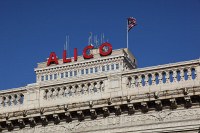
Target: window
{"type": "Point", "coordinates": [91, 70]}
{"type": "Point", "coordinates": [82, 71]}
{"type": "Point", "coordinates": [62, 75]}
{"type": "Point", "coordinates": [51, 77]}
{"type": "Point", "coordinates": [46, 77]}
{"type": "Point", "coordinates": [108, 67]}
{"type": "Point", "coordinates": [86, 71]}
{"type": "Point", "coordinates": [103, 68]}
{"type": "Point", "coordinates": [71, 74]}
{"type": "Point", "coordinates": [96, 69]}
{"type": "Point", "coordinates": [112, 67]}
{"type": "Point", "coordinates": [42, 78]}
{"type": "Point", "coordinates": [75, 73]}
{"type": "Point", "coordinates": [55, 76]}
{"type": "Point", "coordinates": [66, 74]}
{"type": "Point", "coordinates": [117, 66]}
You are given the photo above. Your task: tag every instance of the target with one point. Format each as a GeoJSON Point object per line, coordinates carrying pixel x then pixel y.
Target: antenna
{"type": "Point", "coordinates": [68, 45]}
{"type": "Point", "coordinates": [90, 39]}
{"type": "Point", "coordinates": [103, 38]}
{"type": "Point", "coordinates": [66, 42]}
{"type": "Point", "coordinates": [95, 40]}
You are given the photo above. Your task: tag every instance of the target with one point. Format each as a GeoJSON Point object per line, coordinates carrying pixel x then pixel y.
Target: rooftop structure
{"type": "Point", "coordinates": [105, 94]}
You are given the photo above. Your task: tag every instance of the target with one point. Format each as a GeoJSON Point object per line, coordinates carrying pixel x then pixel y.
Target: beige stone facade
{"type": "Point", "coordinates": [105, 95]}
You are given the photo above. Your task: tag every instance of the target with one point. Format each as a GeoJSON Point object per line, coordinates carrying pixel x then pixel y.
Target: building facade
{"type": "Point", "coordinates": [105, 94]}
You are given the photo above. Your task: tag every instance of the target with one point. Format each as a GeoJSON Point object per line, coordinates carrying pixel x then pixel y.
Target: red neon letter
{"type": "Point", "coordinates": [75, 54]}
{"type": "Point", "coordinates": [52, 59]}
{"type": "Point", "coordinates": [85, 55]}
{"type": "Point", "coordinates": [65, 60]}
{"type": "Point", "coordinates": [102, 51]}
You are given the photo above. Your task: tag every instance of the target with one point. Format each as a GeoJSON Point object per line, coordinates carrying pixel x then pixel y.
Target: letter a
{"type": "Point", "coordinates": [52, 59]}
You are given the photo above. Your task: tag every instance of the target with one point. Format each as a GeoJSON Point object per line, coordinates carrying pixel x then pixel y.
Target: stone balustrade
{"type": "Point", "coordinates": [74, 90]}
{"type": "Point", "coordinates": [102, 96]}
{"type": "Point", "coordinates": [8, 100]}
{"type": "Point", "coordinates": [163, 75]}
{"type": "Point", "coordinates": [102, 86]}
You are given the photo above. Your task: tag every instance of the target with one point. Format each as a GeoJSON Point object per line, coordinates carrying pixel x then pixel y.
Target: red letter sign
{"type": "Point", "coordinates": [104, 52]}
{"type": "Point", "coordinates": [52, 59]}
{"type": "Point", "coordinates": [85, 55]}
{"type": "Point", "coordinates": [65, 60]}
{"type": "Point", "coordinates": [75, 54]}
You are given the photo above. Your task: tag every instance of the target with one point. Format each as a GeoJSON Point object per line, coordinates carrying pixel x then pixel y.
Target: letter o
{"type": "Point", "coordinates": [105, 53]}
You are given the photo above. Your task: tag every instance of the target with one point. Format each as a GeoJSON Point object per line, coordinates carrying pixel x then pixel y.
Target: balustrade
{"type": "Point", "coordinates": [74, 90]}
{"type": "Point", "coordinates": [11, 100]}
{"type": "Point", "coordinates": [159, 77]}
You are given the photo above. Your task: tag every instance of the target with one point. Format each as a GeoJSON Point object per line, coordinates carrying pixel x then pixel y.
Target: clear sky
{"type": "Point", "coordinates": [167, 31]}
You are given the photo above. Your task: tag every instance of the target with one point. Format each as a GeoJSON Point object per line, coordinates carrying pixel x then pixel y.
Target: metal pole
{"type": "Point", "coordinates": [127, 34]}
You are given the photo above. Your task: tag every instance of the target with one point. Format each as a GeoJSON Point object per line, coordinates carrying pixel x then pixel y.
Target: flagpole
{"type": "Point", "coordinates": [127, 35]}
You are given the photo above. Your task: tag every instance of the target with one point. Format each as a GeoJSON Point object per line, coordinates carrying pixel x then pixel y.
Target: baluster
{"type": "Point", "coordinates": [6, 101]}
{"type": "Point", "coordinates": [153, 79]}
{"type": "Point", "coordinates": [73, 90]}
{"type": "Point", "coordinates": [12, 99]}
{"type": "Point", "coordinates": [78, 88]}
{"type": "Point", "coordinates": [128, 82]}
{"type": "Point", "coordinates": [67, 91]}
{"type": "Point", "coordinates": [189, 74]}
{"type": "Point", "coordinates": [146, 79]}
{"type": "Point", "coordinates": [91, 88]}
{"type": "Point", "coordinates": [18, 99]}
{"type": "Point", "coordinates": [160, 77]}
{"type": "Point", "coordinates": [182, 75]}
{"type": "Point", "coordinates": [98, 87]}
{"type": "Point", "coordinates": [140, 81]}
{"type": "Point", "coordinates": [55, 93]}
{"type": "Point", "coordinates": [45, 94]}
{"type": "Point", "coordinates": [195, 74]}
{"type": "Point", "coordinates": [85, 89]}
{"type": "Point", "coordinates": [1, 101]}
{"type": "Point", "coordinates": [167, 76]}
{"type": "Point", "coordinates": [133, 82]}
{"type": "Point", "coordinates": [61, 92]}
{"type": "Point", "coordinates": [49, 94]}
{"type": "Point", "coordinates": [175, 76]}
{"type": "Point", "coordinates": [102, 86]}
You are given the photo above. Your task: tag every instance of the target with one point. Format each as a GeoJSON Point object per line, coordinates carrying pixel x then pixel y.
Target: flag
{"type": "Point", "coordinates": [131, 23]}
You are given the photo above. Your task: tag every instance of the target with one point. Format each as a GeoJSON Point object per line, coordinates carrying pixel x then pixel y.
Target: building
{"type": "Point", "coordinates": [105, 94]}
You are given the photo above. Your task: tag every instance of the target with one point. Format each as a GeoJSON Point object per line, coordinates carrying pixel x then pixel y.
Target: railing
{"type": "Point", "coordinates": [162, 75]}
{"type": "Point", "coordinates": [11, 100]}
{"type": "Point", "coordinates": [98, 88]}
{"type": "Point", "coordinates": [74, 90]}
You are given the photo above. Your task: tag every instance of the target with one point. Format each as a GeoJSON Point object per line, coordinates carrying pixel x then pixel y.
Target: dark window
{"type": "Point", "coordinates": [112, 67]}
{"type": "Point", "coordinates": [46, 77]}
{"type": "Point", "coordinates": [91, 70]}
{"type": "Point", "coordinates": [117, 66]}
{"type": "Point", "coordinates": [51, 77]}
{"type": "Point", "coordinates": [55, 76]}
{"type": "Point", "coordinates": [82, 71]}
{"type": "Point", "coordinates": [75, 73]}
{"type": "Point", "coordinates": [70, 74]}
{"type": "Point", "coordinates": [62, 75]}
{"type": "Point", "coordinates": [86, 71]}
{"type": "Point", "coordinates": [103, 68]}
{"type": "Point", "coordinates": [42, 78]}
{"type": "Point", "coordinates": [96, 69]}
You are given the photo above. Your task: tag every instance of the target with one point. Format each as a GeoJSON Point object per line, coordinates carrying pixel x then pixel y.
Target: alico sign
{"type": "Point", "coordinates": [54, 60]}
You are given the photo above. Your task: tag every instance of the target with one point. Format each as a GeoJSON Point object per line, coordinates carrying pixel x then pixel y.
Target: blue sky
{"type": "Point", "coordinates": [167, 31]}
